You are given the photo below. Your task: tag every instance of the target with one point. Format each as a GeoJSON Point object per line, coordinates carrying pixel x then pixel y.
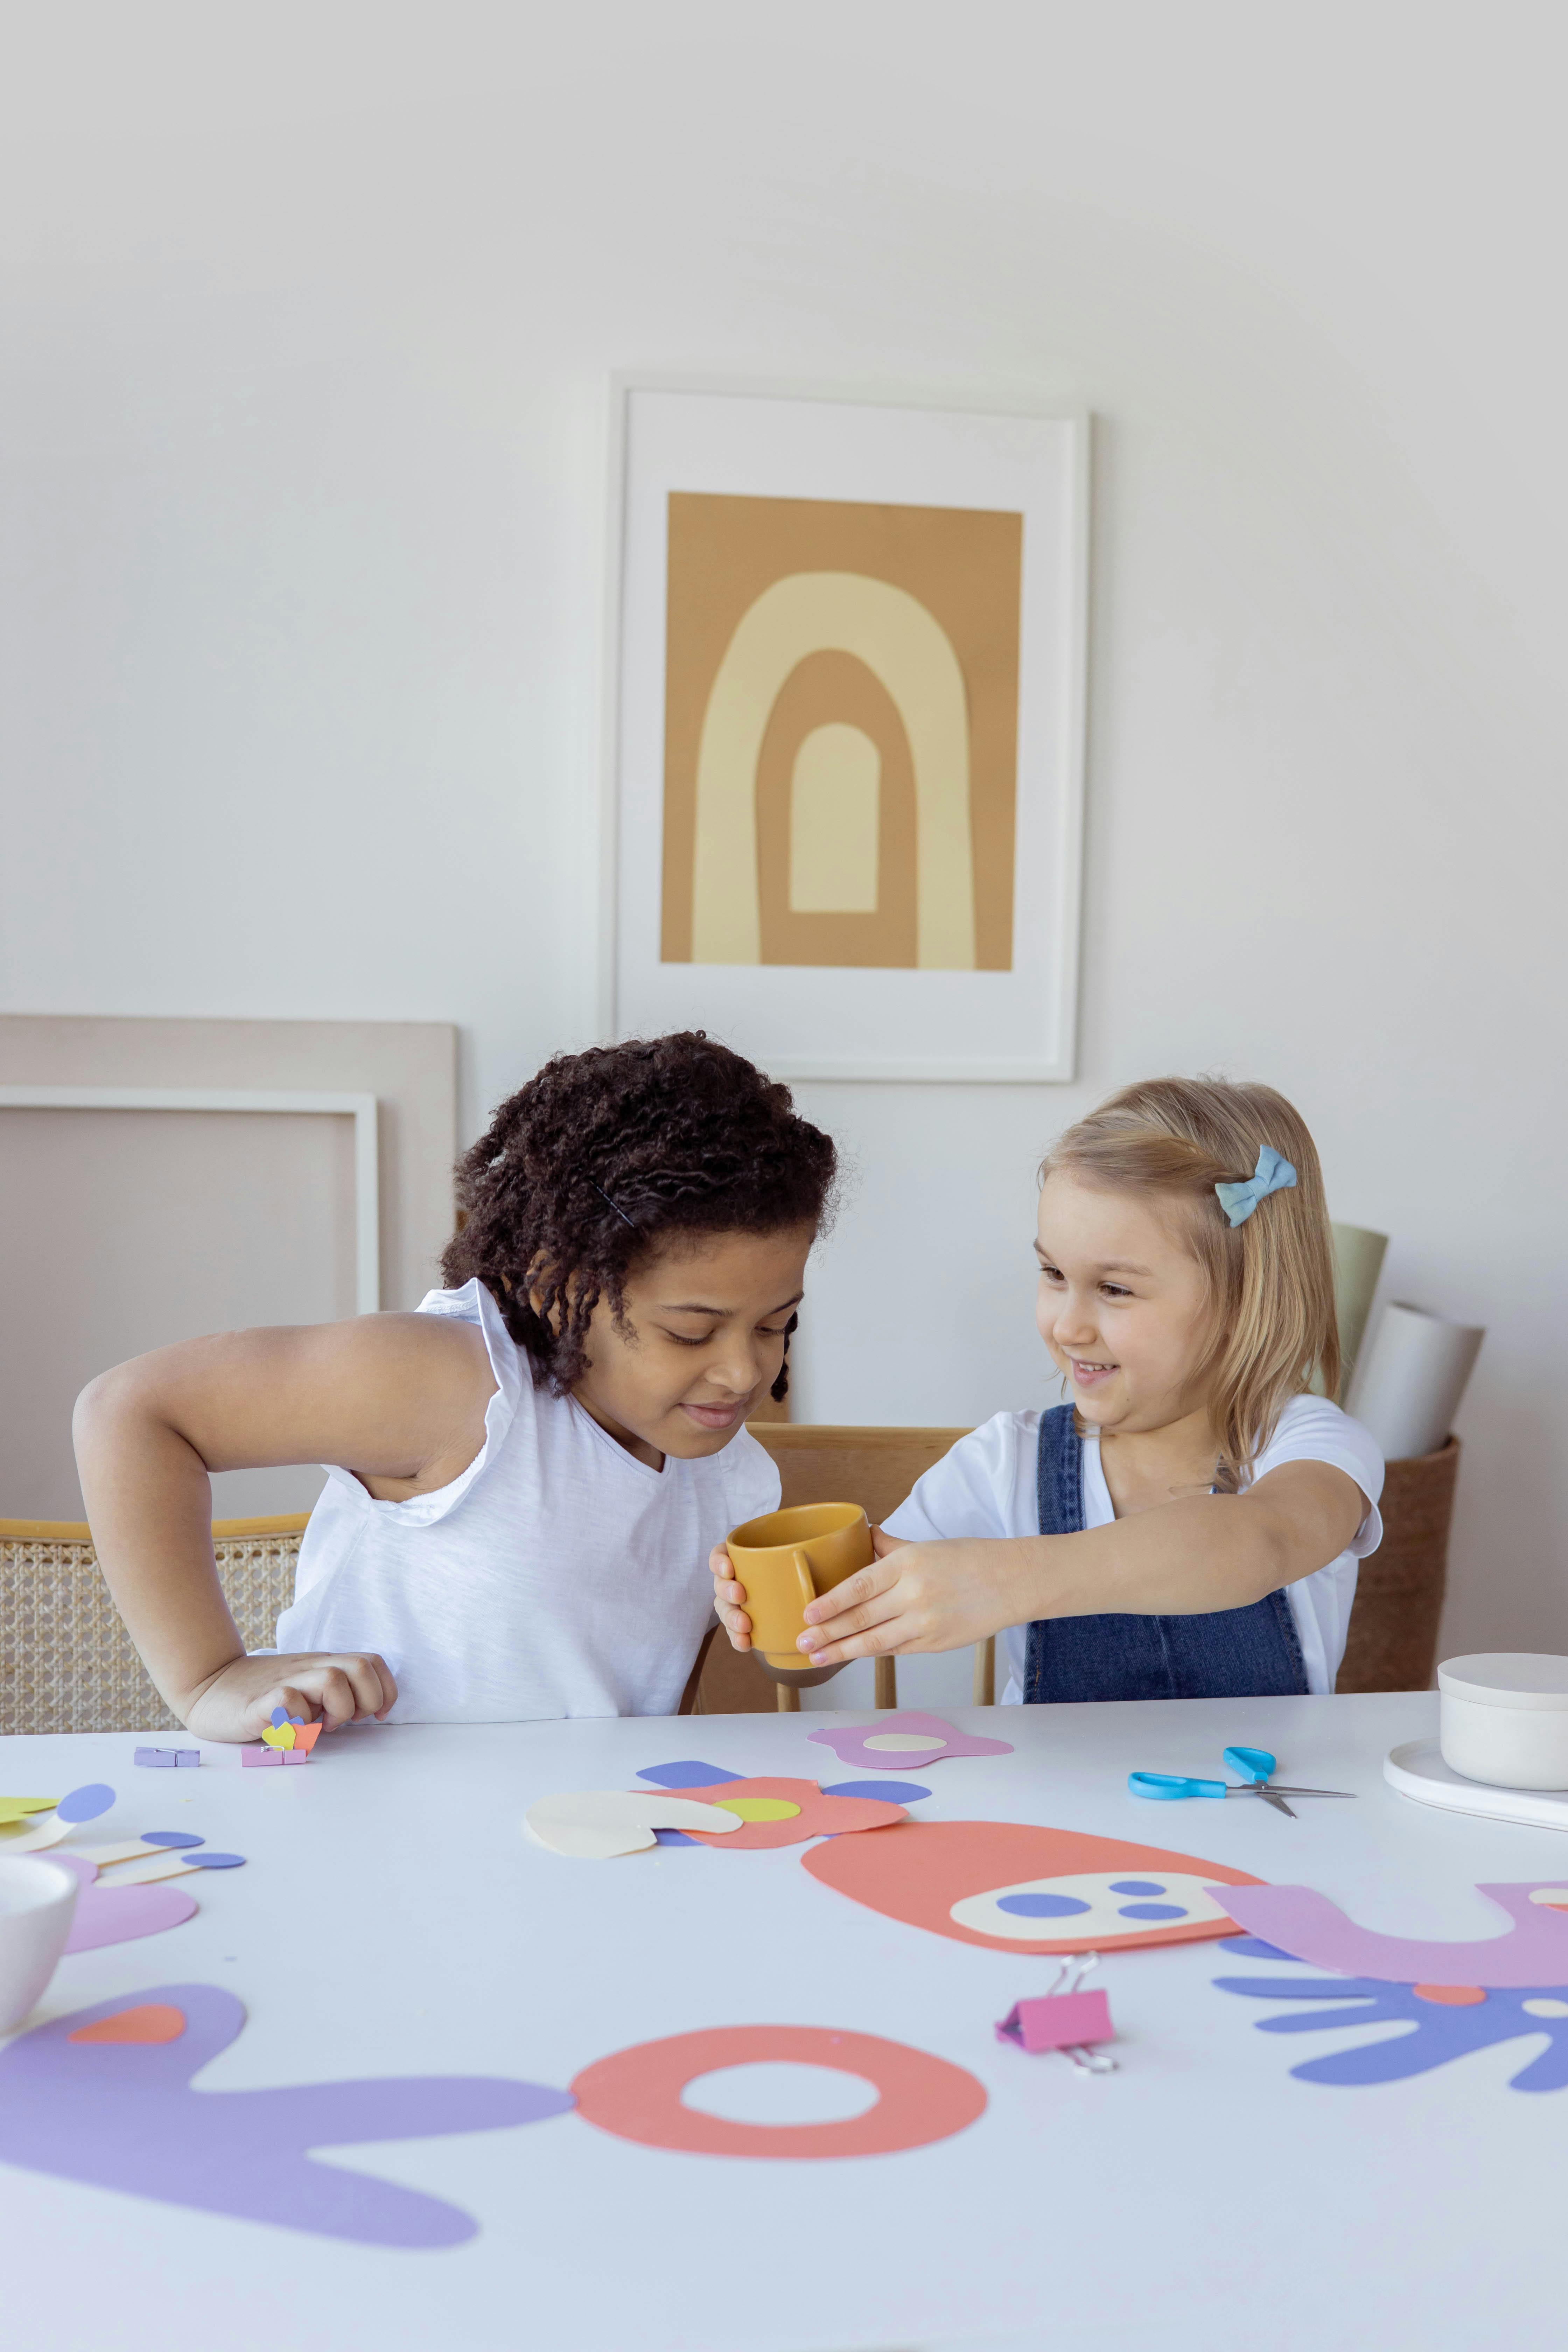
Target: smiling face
{"type": "Point", "coordinates": [1123, 1305]}
{"type": "Point", "coordinates": [700, 1343]}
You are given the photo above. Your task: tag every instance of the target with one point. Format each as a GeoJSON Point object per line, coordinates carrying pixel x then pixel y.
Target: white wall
{"type": "Point", "coordinates": [311, 311]}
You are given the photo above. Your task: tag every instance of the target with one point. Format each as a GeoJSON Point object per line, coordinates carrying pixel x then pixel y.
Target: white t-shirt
{"type": "Point", "coordinates": [986, 1487]}
{"type": "Point", "coordinates": [558, 1576]}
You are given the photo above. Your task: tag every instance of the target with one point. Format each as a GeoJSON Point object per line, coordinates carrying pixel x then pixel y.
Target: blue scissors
{"type": "Point", "coordinates": [1257, 1768]}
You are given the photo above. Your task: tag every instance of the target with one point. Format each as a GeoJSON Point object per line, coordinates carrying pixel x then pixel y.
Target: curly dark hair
{"type": "Point", "coordinates": [604, 1155]}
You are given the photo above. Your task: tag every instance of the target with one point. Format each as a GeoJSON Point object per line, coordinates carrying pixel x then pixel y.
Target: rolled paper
{"type": "Point", "coordinates": [1411, 1378]}
{"type": "Point", "coordinates": [1358, 1262]}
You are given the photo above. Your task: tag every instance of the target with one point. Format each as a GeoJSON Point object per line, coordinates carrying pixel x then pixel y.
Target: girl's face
{"type": "Point", "coordinates": [702, 1345]}
{"type": "Point", "coordinates": [1123, 1305]}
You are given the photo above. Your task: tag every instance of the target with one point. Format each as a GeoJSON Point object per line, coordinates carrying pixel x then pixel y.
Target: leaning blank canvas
{"type": "Point", "coordinates": [848, 757]}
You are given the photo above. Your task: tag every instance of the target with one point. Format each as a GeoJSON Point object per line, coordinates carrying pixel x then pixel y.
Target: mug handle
{"type": "Point", "coordinates": [804, 1577]}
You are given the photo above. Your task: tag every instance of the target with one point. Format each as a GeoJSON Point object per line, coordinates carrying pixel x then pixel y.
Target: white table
{"type": "Point", "coordinates": [394, 1919]}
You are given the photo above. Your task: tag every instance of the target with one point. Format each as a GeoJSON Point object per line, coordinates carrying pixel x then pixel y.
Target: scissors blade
{"type": "Point", "coordinates": [1272, 1797]}
{"type": "Point", "coordinates": [1286, 1790]}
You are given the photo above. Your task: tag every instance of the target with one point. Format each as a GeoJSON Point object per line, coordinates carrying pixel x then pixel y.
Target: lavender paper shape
{"type": "Point", "coordinates": [855, 1743]}
{"type": "Point", "coordinates": [123, 2116]}
{"type": "Point", "coordinates": [1306, 1926]}
{"type": "Point", "coordinates": [1442, 2030]}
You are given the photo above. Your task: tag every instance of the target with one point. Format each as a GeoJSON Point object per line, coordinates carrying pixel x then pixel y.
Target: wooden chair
{"type": "Point", "coordinates": [67, 1663]}
{"type": "Point", "coordinates": [1393, 1642]}
{"type": "Point", "coordinates": [831, 1463]}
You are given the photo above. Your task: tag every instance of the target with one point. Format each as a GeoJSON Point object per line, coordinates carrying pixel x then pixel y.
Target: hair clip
{"type": "Point", "coordinates": [1275, 1175]}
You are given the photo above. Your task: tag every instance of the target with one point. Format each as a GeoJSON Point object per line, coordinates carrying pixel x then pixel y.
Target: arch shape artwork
{"type": "Point", "coordinates": [900, 640]}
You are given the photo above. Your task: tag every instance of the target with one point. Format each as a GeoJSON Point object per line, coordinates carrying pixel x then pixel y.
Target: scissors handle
{"type": "Point", "coordinates": [1170, 1784]}
{"type": "Point", "coordinates": [1251, 1763]}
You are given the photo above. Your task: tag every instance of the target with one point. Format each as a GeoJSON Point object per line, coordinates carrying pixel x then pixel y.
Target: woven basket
{"type": "Point", "coordinates": [1392, 1642]}
{"type": "Point", "coordinates": [67, 1663]}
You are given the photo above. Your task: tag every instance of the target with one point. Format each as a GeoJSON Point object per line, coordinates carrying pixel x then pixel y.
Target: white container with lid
{"type": "Point", "coordinates": [1503, 1719]}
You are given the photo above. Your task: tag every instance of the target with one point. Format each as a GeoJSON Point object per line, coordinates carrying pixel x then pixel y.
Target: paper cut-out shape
{"type": "Point", "coordinates": [636, 2092]}
{"type": "Point", "coordinates": [892, 1793]}
{"type": "Point", "coordinates": [595, 1825]}
{"type": "Point", "coordinates": [170, 1837]}
{"type": "Point", "coordinates": [906, 1742]}
{"type": "Point", "coordinates": [280, 1715]}
{"type": "Point", "coordinates": [150, 2021]}
{"type": "Point", "coordinates": [812, 1813]}
{"type": "Point", "coordinates": [167, 1760]}
{"type": "Point", "coordinates": [16, 1809]}
{"type": "Point", "coordinates": [1057, 2021]}
{"type": "Point", "coordinates": [1307, 1926]}
{"type": "Point", "coordinates": [955, 1877]}
{"type": "Point", "coordinates": [125, 2116]}
{"type": "Point", "coordinates": [207, 1860]}
{"type": "Point", "coordinates": [119, 1914]}
{"type": "Point", "coordinates": [686, 1775]}
{"type": "Point", "coordinates": [273, 1737]}
{"type": "Point", "coordinates": [290, 1734]}
{"type": "Point", "coordinates": [1443, 2027]}
{"type": "Point", "coordinates": [84, 1804]}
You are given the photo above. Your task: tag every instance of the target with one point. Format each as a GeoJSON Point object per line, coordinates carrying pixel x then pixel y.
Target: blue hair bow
{"type": "Point", "coordinates": [1275, 1175]}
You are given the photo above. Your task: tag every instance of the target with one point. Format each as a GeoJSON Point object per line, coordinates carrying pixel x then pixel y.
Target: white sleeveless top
{"type": "Point", "coordinates": [558, 1576]}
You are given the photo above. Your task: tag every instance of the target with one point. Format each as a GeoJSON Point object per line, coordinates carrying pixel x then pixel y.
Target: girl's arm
{"type": "Point", "coordinates": [398, 1399]}
{"type": "Point", "coordinates": [1203, 1552]}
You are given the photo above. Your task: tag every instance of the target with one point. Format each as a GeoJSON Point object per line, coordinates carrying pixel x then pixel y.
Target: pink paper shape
{"type": "Point", "coordinates": [119, 1915]}
{"type": "Point", "coordinates": [262, 1756]}
{"type": "Point", "coordinates": [1057, 2021]}
{"type": "Point", "coordinates": [125, 2116]}
{"type": "Point", "coordinates": [1305, 1925]}
{"type": "Point", "coordinates": [848, 1743]}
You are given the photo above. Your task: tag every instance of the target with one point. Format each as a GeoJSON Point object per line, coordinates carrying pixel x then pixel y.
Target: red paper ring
{"type": "Point", "coordinates": [636, 2093]}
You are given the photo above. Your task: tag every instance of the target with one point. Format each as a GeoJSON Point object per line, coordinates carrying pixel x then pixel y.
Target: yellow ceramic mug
{"type": "Point", "coordinates": [785, 1560]}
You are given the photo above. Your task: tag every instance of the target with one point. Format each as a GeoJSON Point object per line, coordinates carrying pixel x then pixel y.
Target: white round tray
{"type": "Point", "coordinates": [1416, 1770]}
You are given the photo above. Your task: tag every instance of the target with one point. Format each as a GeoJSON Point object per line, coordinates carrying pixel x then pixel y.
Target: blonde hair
{"type": "Point", "coordinates": [1271, 1279]}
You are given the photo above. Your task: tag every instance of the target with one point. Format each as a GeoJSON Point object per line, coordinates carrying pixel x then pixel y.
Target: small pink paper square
{"type": "Point", "coordinates": [261, 1756]}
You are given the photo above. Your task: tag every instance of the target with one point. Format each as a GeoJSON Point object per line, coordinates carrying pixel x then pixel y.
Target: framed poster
{"type": "Point", "coordinates": [846, 773]}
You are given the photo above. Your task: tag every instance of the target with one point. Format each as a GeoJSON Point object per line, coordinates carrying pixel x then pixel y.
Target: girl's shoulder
{"type": "Point", "coordinates": [1315, 1428]}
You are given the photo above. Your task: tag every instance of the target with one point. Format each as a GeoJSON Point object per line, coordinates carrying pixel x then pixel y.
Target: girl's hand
{"type": "Point", "coordinates": [730, 1599]}
{"type": "Point", "coordinates": [916, 1596]}
{"type": "Point", "coordinates": [238, 1700]}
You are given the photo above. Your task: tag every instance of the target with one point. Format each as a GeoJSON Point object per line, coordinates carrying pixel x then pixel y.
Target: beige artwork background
{"type": "Point", "coordinates": [963, 565]}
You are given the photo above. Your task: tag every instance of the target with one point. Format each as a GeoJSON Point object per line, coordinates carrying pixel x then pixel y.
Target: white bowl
{"type": "Point", "coordinates": [1503, 1719]}
{"type": "Point", "coordinates": [37, 1900]}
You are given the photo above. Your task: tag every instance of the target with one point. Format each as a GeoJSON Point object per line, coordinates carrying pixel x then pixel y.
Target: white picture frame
{"type": "Point", "coordinates": [1015, 1022]}
{"type": "Point", "coordinates": [360, 1107]}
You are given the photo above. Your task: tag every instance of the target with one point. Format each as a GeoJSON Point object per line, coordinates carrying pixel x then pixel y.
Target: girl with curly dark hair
{"type": "Point", "coordinates": [527, 1473]}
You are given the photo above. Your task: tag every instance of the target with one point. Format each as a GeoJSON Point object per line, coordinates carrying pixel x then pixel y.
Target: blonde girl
{"type": "Point", "coordinates": [1188, 1524]}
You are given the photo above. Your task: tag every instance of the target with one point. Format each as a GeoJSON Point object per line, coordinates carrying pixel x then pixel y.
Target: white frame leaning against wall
{"type": "Point", "coordinates": [360, 1108]}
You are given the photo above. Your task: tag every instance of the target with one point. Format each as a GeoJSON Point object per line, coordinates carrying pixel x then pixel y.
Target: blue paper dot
{"type": "Point", "coordinates": [1041, 1907]}
{"type": "Point", "coordinates": [688, 1774]}
{"type": "Point", "coordinates": [673, 1837]}
{"type": "Point", "coordinates": [1153, 1910]}
{"type": "Point", "coordinates": [1136, 1886]}
{"type": "Point", "coordinates": [86, 1805]}
{"type": "Point", "coordinates": [170, 1837]}
{"type": "Point", "coordinates": [889, 1792]}
{"type": "Point", "coordinates": [217, 1861]}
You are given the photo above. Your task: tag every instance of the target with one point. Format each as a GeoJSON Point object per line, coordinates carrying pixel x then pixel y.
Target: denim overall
{"type": "Point", "coordinates": [1251, 1653]}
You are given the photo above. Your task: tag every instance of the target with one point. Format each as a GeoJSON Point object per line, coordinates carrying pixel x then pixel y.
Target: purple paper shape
{"type": "Point", "coordinates": [674, 1837]}
{"type": "Point", "coordinates": [119, 1915]}
{"type": "Point", "coordinates": [690, 1775]}
{"type": "Point", "coordinates": [280, 1715]}
{"type": "Point", "coordinates": [887, 1793]}
{"type": "Point", "coordinates": [1441, 2032]}
{"type": "Point", "coordinates": [1307, 1926]}
{"type": "Point", "coordinates": [85, 1804]}
{"type": "Point", "coordinates": [123, 2116]}
{"type": "Point", "coordinates": [1057, 2021]}
{"type": "Point", "coordinates": [172, 1838]}
{"type": "Point", "coordinates": [848, 1743]}
{"type": "Point", "coordinates": [217, 1861]}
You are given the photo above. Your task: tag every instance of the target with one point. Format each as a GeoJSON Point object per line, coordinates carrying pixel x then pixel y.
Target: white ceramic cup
{"type": "Point", "coordinates": [1503, 1719]}
{"type": "Point", "coordinates": [37, 1902]}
